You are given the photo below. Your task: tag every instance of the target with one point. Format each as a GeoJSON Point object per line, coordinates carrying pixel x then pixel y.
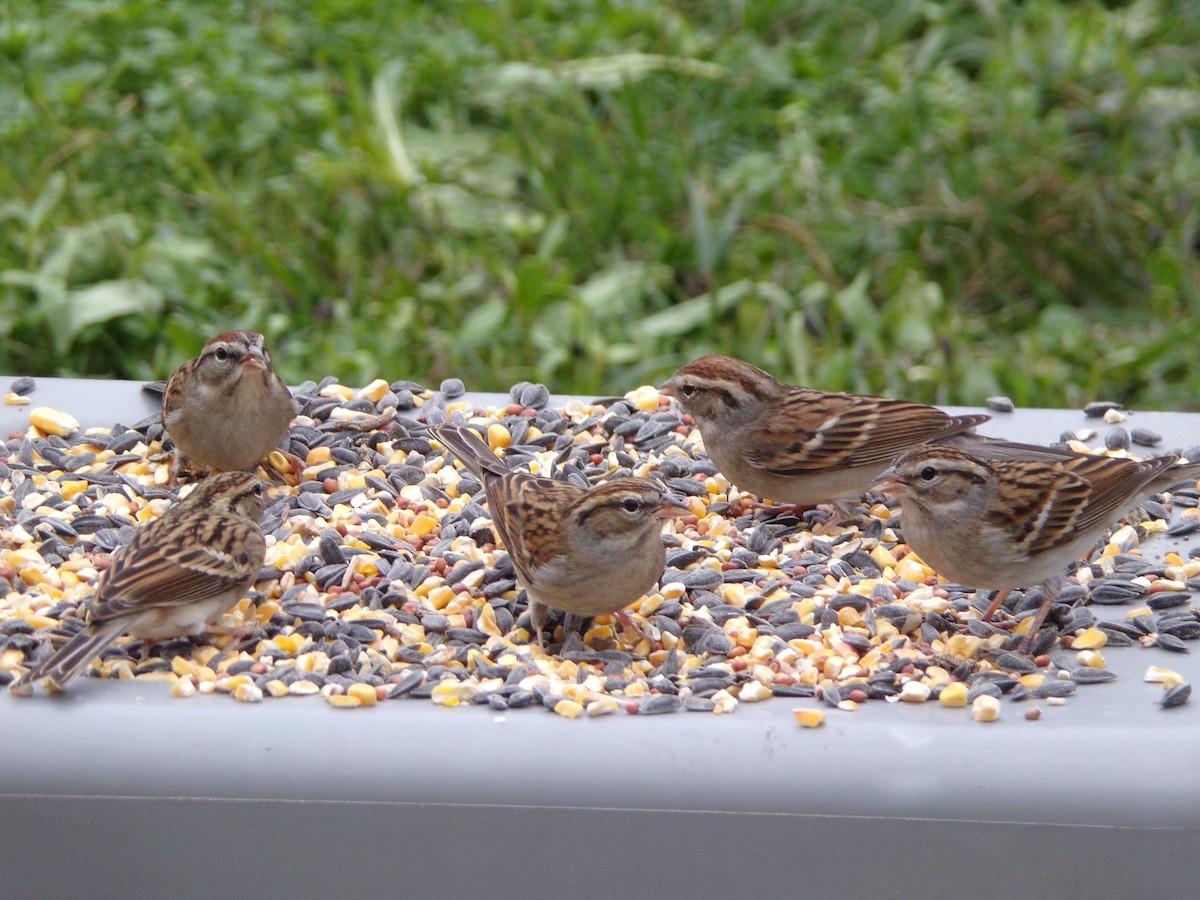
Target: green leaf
{"type": "Point", "coordinates": [49, 198]}
{"type": "Point", "coordinates": [74, 311]}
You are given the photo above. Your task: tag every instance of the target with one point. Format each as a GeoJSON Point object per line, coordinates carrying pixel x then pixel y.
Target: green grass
{"type": "Point", "coordinates": [938, 201]}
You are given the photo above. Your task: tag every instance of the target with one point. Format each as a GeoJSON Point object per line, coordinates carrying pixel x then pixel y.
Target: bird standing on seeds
{"type": "Point", "coordinates": [227, 409]}
{"type": "Point", "coordinates": [587, 552]}
{"type": "Point", "coordinates": [177, 576]}
{"type": "Point", "coordinates": [796, 444]}
{"type": "Point", "coordinates": [1017, 523]}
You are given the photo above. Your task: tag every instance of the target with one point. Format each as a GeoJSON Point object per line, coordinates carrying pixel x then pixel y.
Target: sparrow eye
{"type": "Point", "coordinates": [928, 473]}
{"type": "Point", "coordinates": [221, 353]}
{"type": "Point", "coordinates": [258, 490]}
{"type": "Point", "coordinates": [688, 390]}
{"type": "Point", "coordinates": [630, 505]}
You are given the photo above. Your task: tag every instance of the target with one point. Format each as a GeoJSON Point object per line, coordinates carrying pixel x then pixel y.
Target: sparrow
{"type": "Point", "coordinates": [586, 552]}
{"type": "Point", "coordinates": [177, 576]}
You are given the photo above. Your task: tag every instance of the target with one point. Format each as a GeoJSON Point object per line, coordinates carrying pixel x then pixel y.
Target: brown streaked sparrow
{"type": "Point", "coordinates": [586, 552]}
{"type": "Point", "coordinates": [799, 445]}
{"type": "Point", "coordinates": [227, 409]}
{"type": "Point", "coordinates": [1016, 523]}
{"type": "Point", "coordinates": [176, 577]}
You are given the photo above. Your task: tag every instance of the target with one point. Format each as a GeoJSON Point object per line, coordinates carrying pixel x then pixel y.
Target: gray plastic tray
{"type": "Point", "coordinates": [120, 789]}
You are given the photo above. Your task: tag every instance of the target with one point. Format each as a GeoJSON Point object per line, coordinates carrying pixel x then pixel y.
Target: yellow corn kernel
{"type": "Point", "coordinates": [364, 692]}
{"type": "Point", "coordinates": [53, 421]}
{"type": "Point", "coordinates": [498, 437]}
{"type": "Point", "coordinates": [423, 525]}
{"type": "Point", "coordinates": [568, 708]}
{"type": "Point", "coordinates": [1090, 639]}
{"type": "Point", "coordinates": [985, 709]}
{"type": "Point", "coordinates": [953, 695]}
{"type": "Point", "coordinates": [808, 718]}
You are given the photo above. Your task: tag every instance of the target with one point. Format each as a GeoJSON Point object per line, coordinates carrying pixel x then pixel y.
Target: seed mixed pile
{"type": "Point", "coordinates": [383, 578]}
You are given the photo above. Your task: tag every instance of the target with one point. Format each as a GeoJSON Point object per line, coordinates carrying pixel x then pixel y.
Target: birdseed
{"type": "Point", "coordinates": [1000, 404]}
{"type": "Point", "coordinates": [383, 578]}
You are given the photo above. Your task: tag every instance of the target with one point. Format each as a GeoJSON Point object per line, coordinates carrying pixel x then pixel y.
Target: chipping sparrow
{"type": "Point", "coordinates": [226, 409]}
{"type": "Point", "coordinates": [795, 444]}
{"type": "Point", "coordinates": [1016, 523]}
{"type": "Point", "coordinates": [587, 552]}
{"type": "Point", "coordinates": [177, 575]}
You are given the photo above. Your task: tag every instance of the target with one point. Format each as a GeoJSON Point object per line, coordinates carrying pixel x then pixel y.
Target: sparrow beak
{"type": "Point", "coordinates": [670, 508]}
{"type": "Point", "coordinates": [888, 482]}
{"type": "Point", "coordinates": [668, 390]}
{"type": "Point", "coordinates": [255, 359]}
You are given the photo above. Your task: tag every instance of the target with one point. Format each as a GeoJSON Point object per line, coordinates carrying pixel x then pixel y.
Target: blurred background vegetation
{"type": "Point", "coordinates": [939, 201]}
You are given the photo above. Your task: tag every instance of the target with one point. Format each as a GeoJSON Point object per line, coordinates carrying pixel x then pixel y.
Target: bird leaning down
{"type": "Point", "coordinates": [226, 409]}
{"type": "Point", "coordinates": [177, 576]}
{"type": "Point", "coordinates": [1016, 523]}
{"type": "Point", "coordinates": [586, 552]}
{"type": "Point", "coordinates": [799, 445]}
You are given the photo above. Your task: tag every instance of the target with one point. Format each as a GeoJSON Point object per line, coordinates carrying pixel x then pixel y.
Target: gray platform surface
{"type": "Point", "coordinates": [120, 789]}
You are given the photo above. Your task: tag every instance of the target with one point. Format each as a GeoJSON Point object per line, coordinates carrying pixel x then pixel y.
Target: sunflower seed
{"type": "Point", "coordinates": [1144, 437]}
{"type": "Point", "coordinates": [22, 385]}
{"type": "Point", "coordinates": [1176, 695]}
{"type": "Point", "coordinates": [1098, 408]}
{"type": "Point", "coordinates": [1172, 643]}
{"type": "Point", "coordinates": [1000, 404]}
{"type": "Point", "coordinates": [663, 703]}
{"type": "Point", "coordinates": [1117, 439]}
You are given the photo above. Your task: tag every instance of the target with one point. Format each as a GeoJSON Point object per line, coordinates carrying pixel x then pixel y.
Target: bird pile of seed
{"type": "Point", "coordinates": [383, 578]}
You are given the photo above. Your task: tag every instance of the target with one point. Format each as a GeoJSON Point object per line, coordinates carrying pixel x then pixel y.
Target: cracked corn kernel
{"type": "Point", "coordinates": [183, 687]}
{"type": "Point", "coordinates": [1165, 677]}
{"type": "Point", "coordinates": [364, 692]}
{"type": "Point", "coordinates": [915, 692]}
{"type": "Point", "coordinates": [954, 695]}
{"type": "Point", "coordinates": [644, 398]}
{"type": "Point", "coordinates": [603, 706]}
{"type": "Point", "coordinates": [290, 643]}
{"type": "Point", "coordinates": [343, 701]}
{"type": "Point", "coordinates": [808, 718]}
{"type": "Point", "coordinates": [1090, 639]}
{"type": "Point", "coordinates": [724, 702]}
{"type": "Point", "coordinates": [423, 525]}
{"type": "Point", "coordinates": [375, 391]}
{"type": "Point", "coordinates": [498, 437]}
{"type": "Point", "coordinates": [985, 709]}
{"type": "Point", "coordinates": [568, 708]}
{"type": "Point", "coordinates": [248, 692]}
{"type": "Point", "coordinates": [754, 691]}
{"type": "Point", "coordinates": [276, 688]}
{"type": "Point", "coordinates": [53, 421]}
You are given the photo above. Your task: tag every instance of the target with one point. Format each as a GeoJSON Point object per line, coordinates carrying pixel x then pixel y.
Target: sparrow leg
{"type": "Point", "coordinates": [830, 525]}
{"type": "Point", "coordinates": [176, 466]}
{"type": "Point", "coordinates": [1050, 590]}
{"type": "Point", "coordinates": [537, 612]}
{"type": "Point", "coordinates": [782, 509]}
{"type": "Point", "coordinates": [995, 604]}
{"type": "Point", "coordinates": [625, 617]}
